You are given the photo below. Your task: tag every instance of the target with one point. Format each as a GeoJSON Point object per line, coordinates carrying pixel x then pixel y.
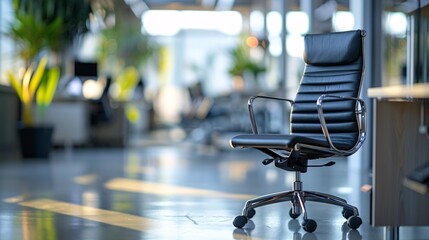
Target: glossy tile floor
{"type": "Point", "coordinates": [169, 191]}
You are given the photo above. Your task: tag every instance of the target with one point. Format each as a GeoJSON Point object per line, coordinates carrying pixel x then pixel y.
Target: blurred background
{"type": "Point", "coordinates": [133, 71]}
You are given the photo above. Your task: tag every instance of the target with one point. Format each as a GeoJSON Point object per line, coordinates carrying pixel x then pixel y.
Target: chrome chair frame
{"type": "Point", "coordinates": [297, 196]}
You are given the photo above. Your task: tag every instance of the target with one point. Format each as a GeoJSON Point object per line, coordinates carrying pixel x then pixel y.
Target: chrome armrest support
{"type": "Point", "coordinates": [360, 111]}
{"type": "Point", "coordinates": [252, 114]}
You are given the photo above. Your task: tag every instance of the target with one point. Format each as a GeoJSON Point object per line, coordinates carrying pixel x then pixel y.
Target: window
{"type": "Point", "coordinates": [8, 58]}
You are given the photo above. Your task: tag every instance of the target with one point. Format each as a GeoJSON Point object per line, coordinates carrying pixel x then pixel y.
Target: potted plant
{"type": "Point", "coordinates": [243, 64]}
{"type": "Point", "coordinates": [35, 81]}
{"type": "Point", "coordinates": [123, 54]}
{"type": "Point", "coordinates": [35, 139]}
{"type": "Point", "coordinates": [42, 32]}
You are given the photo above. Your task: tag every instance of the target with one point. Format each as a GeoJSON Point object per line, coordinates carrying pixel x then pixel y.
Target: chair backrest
{"type": "Point", "coordinates": [334, 66]}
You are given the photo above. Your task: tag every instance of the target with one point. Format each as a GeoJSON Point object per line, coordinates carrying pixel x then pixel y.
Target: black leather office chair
{"type": "Point", "coordinates": [327, 119]}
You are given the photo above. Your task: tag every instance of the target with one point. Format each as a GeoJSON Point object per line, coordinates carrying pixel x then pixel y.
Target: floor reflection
{"type": "Point", "coordinates": [166, 192]}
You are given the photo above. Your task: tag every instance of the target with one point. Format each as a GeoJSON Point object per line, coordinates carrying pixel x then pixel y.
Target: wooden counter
{"type": "Point", "coordinates": [398, 149]}
{"type": "Point", "coordinates": [415, 91]}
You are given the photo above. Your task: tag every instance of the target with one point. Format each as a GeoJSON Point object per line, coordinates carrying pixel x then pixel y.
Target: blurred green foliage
{"type": "Point", "coordinates": [47, 24]}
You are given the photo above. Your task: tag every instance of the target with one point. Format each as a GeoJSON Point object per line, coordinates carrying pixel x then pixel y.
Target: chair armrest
{"type": "Point", "coordinates": [252, 114]}
{"type": "Point", "coordinates": [360, 111]}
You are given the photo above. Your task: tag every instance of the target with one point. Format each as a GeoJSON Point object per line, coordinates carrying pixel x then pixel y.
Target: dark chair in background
{"type": "Point", "coordinates": [327, 120]}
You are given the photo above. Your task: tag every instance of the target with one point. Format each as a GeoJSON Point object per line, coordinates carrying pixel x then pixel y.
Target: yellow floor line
{"type": "Point", "coordinates": [132, 185]}
{"type": "Point", "coordinates": [110, 217]}
{"type": "Point", "coordinates": [15, 199]}
{"type": "Point", "coordinates": [93, 214]}
{"type": "Point", "coordinates": [85, 179]}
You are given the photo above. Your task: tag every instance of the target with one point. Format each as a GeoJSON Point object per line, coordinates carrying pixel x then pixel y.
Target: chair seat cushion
{"type": "Point", "coordinates": [286, 141]}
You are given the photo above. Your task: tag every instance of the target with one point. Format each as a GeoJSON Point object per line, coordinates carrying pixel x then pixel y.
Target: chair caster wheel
{"type": "Point", "coordinates": [239, 221]}
{"type": "Point", "coordinates": [250, 213]}
{"type": "Point", "coordinates": [354, 222]}
{"type": "Point", "coordinates": [292, 215]}
{"type": "Point", "coordinates": [309, 225]}
{"type": "Point", "coordinates": [347, 213]}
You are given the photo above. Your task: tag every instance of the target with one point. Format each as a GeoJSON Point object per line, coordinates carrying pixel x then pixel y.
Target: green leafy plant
{"type": "Point", "coordinates": [126, 43]}
{"type": "Point", "coordinates": [33, 35]}
{"type": "Point", "coordinates": [70, 15]}
{"type": "Point", "coordinates": [243, 62]}
{"type": "Point", "coordinates": [40, 84]}
{"type": "Point", "coordinates": [47, 25]}
{"type": "Point", "coordinates": [40, 28]}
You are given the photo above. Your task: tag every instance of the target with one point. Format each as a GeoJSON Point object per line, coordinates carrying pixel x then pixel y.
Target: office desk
{"type": "Point", "coordinates": [398, 149]}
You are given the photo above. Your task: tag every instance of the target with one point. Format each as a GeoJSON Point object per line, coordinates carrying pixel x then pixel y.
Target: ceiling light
{"type": "Point", "coordinates": [168, 23]}
{"type": "Point", "coordinates": [297, 22]}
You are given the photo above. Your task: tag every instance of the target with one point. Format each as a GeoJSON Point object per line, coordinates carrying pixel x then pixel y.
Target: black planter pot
{"type": "Point", "coordinates": [35, 141]}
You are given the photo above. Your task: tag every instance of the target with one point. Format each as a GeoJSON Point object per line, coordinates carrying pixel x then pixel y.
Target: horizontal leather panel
{"type": "Point", "coordinates": [334, 77]}
{"type": "Point", "coordinates": [316, 127]}
{"type": "Point", "coordinates": [311, 98]}
{"type": "Point", "coordinates": [329, 117]}
{"type": "Point", "coordinates": [310, 107]}
{"type": "Point", "coordinates": [334, 70]}
{"type": "Point", "coordinates": [327, 89]}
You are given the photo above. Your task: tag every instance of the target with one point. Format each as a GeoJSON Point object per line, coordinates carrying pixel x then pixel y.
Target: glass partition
{"type": "Point", "coordinates": [395, 26]}
{"type": "Point", "coordinates": [419, 46]}
{"type": "Point", "coordinates": [405, 28]}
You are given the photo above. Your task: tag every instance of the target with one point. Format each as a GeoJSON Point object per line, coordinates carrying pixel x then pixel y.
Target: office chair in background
{"type": "Point", "coordinates": [327, 119]}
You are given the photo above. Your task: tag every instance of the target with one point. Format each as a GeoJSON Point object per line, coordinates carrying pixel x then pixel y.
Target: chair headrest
{"type": "Point", "coordinates": [337, 48]}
